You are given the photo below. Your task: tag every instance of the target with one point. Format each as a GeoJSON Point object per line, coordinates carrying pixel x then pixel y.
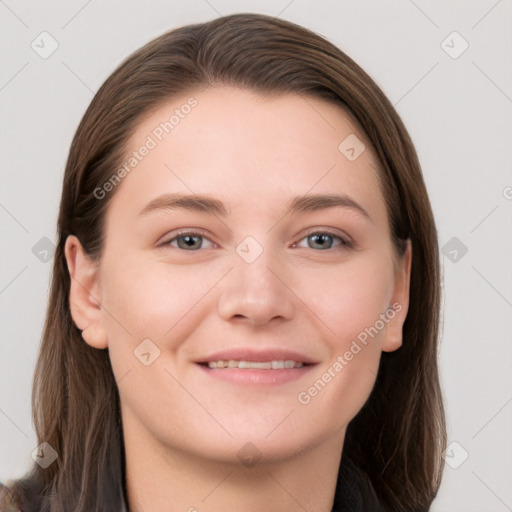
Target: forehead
{"type": "Point", "coordinates": [248, 148]}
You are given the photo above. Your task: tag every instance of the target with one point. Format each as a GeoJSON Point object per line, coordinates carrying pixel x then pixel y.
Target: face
{"type": "Point", "coordinates": [248, 281]}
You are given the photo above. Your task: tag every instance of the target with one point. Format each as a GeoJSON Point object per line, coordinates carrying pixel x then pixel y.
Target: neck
{"type": "Point", "coordinates": [162, 478]}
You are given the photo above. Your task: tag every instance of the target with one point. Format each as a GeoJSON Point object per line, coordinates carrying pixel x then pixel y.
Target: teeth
{"type": "Point", "coordinates": [255, 365]}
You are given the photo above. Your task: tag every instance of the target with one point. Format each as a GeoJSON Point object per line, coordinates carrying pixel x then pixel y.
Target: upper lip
{"type": "Point", "coordinates": [254, 355]}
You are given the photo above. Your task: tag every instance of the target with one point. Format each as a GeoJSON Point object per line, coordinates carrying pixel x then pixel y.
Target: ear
{"type": "Point", "coordinates": [85, 293]}
{"type": "Point", "coordinates": [399, 303]}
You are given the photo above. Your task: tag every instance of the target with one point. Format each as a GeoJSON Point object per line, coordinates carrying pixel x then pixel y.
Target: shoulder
{"type": "Point", "coordinates": [8, 500]}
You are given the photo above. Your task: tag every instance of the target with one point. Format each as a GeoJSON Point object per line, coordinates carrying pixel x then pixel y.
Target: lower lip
{"type": "Point", "coordinates": [256, 377]}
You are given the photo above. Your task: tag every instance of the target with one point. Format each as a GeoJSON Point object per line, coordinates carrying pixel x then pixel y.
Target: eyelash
{"type": "Point", "coordinates": [344, 242]}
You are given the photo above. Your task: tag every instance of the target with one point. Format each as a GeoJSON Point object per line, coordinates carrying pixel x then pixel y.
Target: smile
{"type": "Point", "coordinates": [255, 365]}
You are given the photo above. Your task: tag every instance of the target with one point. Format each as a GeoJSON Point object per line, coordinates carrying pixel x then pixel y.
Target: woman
{"type": "Point", "coordinates": [245, 295]}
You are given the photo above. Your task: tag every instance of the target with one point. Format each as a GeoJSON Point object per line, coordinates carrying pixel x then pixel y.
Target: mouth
{"type": "Point", "coordinates": [268, 367]}
{"type": "Point", "coordinates": [255, 365]}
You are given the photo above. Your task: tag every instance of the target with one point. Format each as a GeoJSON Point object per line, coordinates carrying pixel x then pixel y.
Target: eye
{"type": "Point", "coordinates": [323, 240]}
{"type": "Point", "coordinates": [188, 241]}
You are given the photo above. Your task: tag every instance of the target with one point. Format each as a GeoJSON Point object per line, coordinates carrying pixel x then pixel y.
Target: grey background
{"type": "Point", "coordinates": [457, 110]}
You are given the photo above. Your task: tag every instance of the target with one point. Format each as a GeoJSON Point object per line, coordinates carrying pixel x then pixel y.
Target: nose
{"type": "Point", "coordinates": [256, 293]}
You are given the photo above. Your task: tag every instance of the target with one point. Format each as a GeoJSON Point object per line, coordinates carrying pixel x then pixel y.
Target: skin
{"type": "Point", "coordinates": [182, 428]}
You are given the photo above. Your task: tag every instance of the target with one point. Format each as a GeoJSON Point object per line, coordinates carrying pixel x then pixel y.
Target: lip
{"type": "Point", "coordinates": [250, 354]}
{"type": "Point", "coordinates": [257, 377]}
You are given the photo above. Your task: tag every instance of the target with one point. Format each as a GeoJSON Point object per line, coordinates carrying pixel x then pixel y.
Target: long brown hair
{"type": "Point", "coordinates": [397, 438]}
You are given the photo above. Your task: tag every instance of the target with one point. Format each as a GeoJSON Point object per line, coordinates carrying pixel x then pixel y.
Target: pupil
{"type": "Point", "coordinates": [321, 237]}
{"type": "Point", "coordinates": [190, 240]}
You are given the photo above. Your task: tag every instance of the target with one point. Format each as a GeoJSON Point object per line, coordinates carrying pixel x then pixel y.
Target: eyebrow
{"type": "Point", "coordinates": [207, 204]}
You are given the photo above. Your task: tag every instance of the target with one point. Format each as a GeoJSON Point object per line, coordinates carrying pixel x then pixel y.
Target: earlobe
{"type": "Point", "coordinates": [95, 336]}
{"type": "Point", "coordinates": [85, 293]}
{"type": "Point", "coordinates": [399, 305]}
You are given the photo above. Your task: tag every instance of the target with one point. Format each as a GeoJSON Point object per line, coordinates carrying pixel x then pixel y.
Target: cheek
{"type": "Point", "coordinates": [146, 299]}
{"type": "Point", "coordinates": [353, 298]}
{"type": "Point", "coordinates": [353, 306]}
{"type": "Point", "coordinates": [150, 298]}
